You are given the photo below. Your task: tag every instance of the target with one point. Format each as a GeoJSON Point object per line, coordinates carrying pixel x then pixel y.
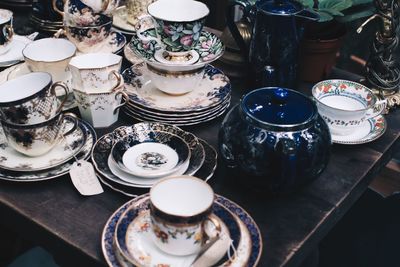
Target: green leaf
{"type": "Point", "coordinates": [332, 12]}
{"type": "Point", "coordinates": [175, 37]}
{"type": "Point", "coordinates": [324, 16]}
{"type": "Point", "coordinates": [307, 3]}
{"type": "Point", "coordinates": [187, 31]}
{"type": "Point", "coordinates": [360, 2]}
{"type": "Point", "coordinates": [348, 17]}
{"type": "Point", "coordinates": [338, 5]}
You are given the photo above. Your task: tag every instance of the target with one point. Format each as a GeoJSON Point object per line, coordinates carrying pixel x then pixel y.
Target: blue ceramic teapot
{"type": "Point", "coordinates": [276, 33]}
{"type": "Point", "coordinates": [275, 139]}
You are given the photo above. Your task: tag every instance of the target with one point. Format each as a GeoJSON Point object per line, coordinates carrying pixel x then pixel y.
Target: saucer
{"type": "Point", "coordinates": [368, 131]}
{"type": "Point", "coordinates": [114, 43]}
{"type": "Point", "coordinates": [71, 145]}
{"type": "Point", "coordinates": [213, 90]}
{"type": "Point", "coordinates": [62, 169]}
{"type": "Point", "coordinates": [133, 238]}
{"type": "Point", "coordinates": [14, 54]}
{"type": "Point", "coordinates": [205, 173]}
{"type": "Point", "coordinates": [120, 21]}
{"type": "Point", "coordinates": [209, 48]}
{"type": "Point", "coordinates": [250, 244]}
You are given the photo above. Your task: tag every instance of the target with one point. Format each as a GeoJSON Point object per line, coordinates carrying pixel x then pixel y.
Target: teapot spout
{"type": "Point", "coordinates": [308, 14]}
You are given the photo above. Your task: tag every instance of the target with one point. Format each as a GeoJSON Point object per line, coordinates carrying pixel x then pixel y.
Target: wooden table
{"type": "Point", "coordinates": [54, 215]}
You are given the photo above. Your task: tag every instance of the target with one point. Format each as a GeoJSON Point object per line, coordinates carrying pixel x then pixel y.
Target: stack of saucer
{"type": "Point", "coordinates": [176, 84]}
{"type": "Point", "coordinates": [139, 155]}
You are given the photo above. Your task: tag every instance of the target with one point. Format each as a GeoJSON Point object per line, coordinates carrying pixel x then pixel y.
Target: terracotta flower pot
{"type": "Point", "coordinates": [318, 55]}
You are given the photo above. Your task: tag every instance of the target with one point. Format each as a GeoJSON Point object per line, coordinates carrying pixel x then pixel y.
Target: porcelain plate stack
{"type": "Point", "coordinates": [139, 155]}
{"type": "Point", "coordinates": [171, 80]}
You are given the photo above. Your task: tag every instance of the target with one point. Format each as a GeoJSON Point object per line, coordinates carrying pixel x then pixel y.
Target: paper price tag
{"type": "Point", "coordinates": [84, 178]}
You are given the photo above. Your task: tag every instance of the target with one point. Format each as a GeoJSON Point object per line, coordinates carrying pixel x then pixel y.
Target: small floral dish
{"type": "Point", "coordinates": [209, 48]}
{"type": "Point", "coordinates": [151, 154]}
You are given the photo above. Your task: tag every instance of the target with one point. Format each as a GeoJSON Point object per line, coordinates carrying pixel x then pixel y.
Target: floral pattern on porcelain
{"type": "Point", "coordinates": [213, 90]}
{"type": "Point", "coordinates": [208, 46]}
{"type": "Point", "coordinates": [62, 169]}
{"type": "Point", "coordinates": [179, 36]}
{"type": "Point", "coordinates": [10, 159]}
{"type": "Point", "coordinates": [347, 88]}
{"type": "Point", "coordinates": [151, 160]}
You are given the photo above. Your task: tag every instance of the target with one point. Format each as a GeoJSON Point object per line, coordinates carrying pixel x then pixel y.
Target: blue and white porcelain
{"type": "Point", "coordinates": [240, 227]}
{"type": "Point", "coordinates": [276, 139]}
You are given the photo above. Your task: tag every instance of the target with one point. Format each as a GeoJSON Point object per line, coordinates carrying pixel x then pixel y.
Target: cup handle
{"type": "Point", "coordinates": [125, 98]}
{"type": "Point", "coordinates": [74, 118]}
{"type": "Point", "coordinates": [377, 109]}
{"type": "Point", "coordinates": [66, 90]}
{"type": "Point", "coordinates": [120, 80]}
{"type": "Point", "coordinates": [59, 33]}
{"type": "Point", "coordinates": [143, 26]}
{"type": "Point", "coordinates": [55, 7]}
{"type": "Point", "coordinates": [216, 224]}
{"type": "Point", "coordinates": [8, 32]}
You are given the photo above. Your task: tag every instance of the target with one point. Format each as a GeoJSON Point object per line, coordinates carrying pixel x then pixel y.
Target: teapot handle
{"type": "Point", "coordinates": [230, 21]}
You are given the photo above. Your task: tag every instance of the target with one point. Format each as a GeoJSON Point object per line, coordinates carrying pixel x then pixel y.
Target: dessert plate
{"type": "Point", "coordinates": [368, 131]}
{"type": "Point", "coordinates": [133, 238]}
{"type": "Point", "coordinates": [150, 154]}
{"type": "Point", "coordinates": [213, 90]}
{"type": "Point", "coordinates": [14, 54]}
{"type": "Point", "coordinates": [10, 159]}
{"type": "Point", "coordinates": [249, 248]}
{"type": "Point", "coordinates": [60, 170]}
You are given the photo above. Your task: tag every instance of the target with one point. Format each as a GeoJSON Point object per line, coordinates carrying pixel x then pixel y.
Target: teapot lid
{"type": "Point", "coordinates": [279, 108]}
{"type": "Point", "coordinates": [280, 7]}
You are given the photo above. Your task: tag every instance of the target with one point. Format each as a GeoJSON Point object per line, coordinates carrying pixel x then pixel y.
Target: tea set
{"type": "Point", "coordinates": [276, 137]}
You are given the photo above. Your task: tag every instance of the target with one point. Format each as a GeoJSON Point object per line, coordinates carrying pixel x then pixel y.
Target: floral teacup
{"type": "Point", "coordinates": [179, 207]}
{"type": "Point", "coordinates": [178, 24]}
{"type": "Point", "coordinates": [6, 30]}
{"type": "Point", "coordinates": [345, 105]}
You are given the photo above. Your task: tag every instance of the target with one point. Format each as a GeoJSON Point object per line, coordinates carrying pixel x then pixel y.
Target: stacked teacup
{"type": "Point", "coordinates": [98, 87]}
{"type": "Point", "coordinates": [87, 23]}
{"type": "Point", "coordinates": [31, 115]}
{"type": "Point", "coordinates": [170, 35]}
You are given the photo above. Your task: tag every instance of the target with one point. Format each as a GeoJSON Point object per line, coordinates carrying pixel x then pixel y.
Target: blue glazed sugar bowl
{"type": "Point", "coordinates": [275, 140]}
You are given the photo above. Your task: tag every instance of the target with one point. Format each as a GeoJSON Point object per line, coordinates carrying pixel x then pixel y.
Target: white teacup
{"type": "Point", "coordinates": [100, 109]}
{"type": "Point", "coordinates": [345, 105]}
{"type": "Point", "coordinates": [96, 72]}
{"type": "Point", "coordinates": [179, 207]}
{"type": "Point", "coordinates": [50, 55]}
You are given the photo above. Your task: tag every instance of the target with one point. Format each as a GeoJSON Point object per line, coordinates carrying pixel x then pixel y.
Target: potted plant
{"type": "Point", "coordinates": [322, 40]}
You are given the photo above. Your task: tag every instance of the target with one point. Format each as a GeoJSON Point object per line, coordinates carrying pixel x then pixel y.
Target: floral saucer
{"type": "Point", "coordinates": [213, 90]}
{"type": "Point", "coordinates": [113, 44]}
{"type": "Point", "coordinates": [62, 169]}
{"type": "Point", "coordinates": [12, 160]}
{"type": "Point", "coordinates": [248, 250]}
{"type": "Point", "coordinates": [368, 131]}
{"type": "Point", "coordinates": [134, 241]}
{"type": "Point", "coordinates": [14, 54]}
{"type": "Point", "coordinates": [209, 48]}
{"type": "Point", "coordinates": [120, 21]}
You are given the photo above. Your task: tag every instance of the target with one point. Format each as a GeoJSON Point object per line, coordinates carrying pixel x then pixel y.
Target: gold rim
{"type": "Point", "coordinates": [167, 73]}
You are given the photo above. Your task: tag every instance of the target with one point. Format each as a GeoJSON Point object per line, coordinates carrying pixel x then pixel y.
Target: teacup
{"type": "Point", "coordinates": [37, 139]}
{"type": "Point", "coordinates": [89, 38]}
{"type": "Point", "coordinates": [345, 105]}
{"type": "Point", "coordinates": [84, 12]}
{"type": "Point", "coordinates": [6, 30]}
{"type": "Point", "coordinates": [175, 82]}
{"type": "Point", "coordinates": [50, 55]}
{"type": "Point", "coordinates": [135, 9]}
{"type": "Point", "coordinates": [179, 208]}
{"type": "Point", "coordinates": [96, 72]}
{"type": "Point", "coordinates": [30, 99]}
{"type": "Point", "coordinates": [178, 23]}
{"type": "Point", "coordinates": [100, 109]}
